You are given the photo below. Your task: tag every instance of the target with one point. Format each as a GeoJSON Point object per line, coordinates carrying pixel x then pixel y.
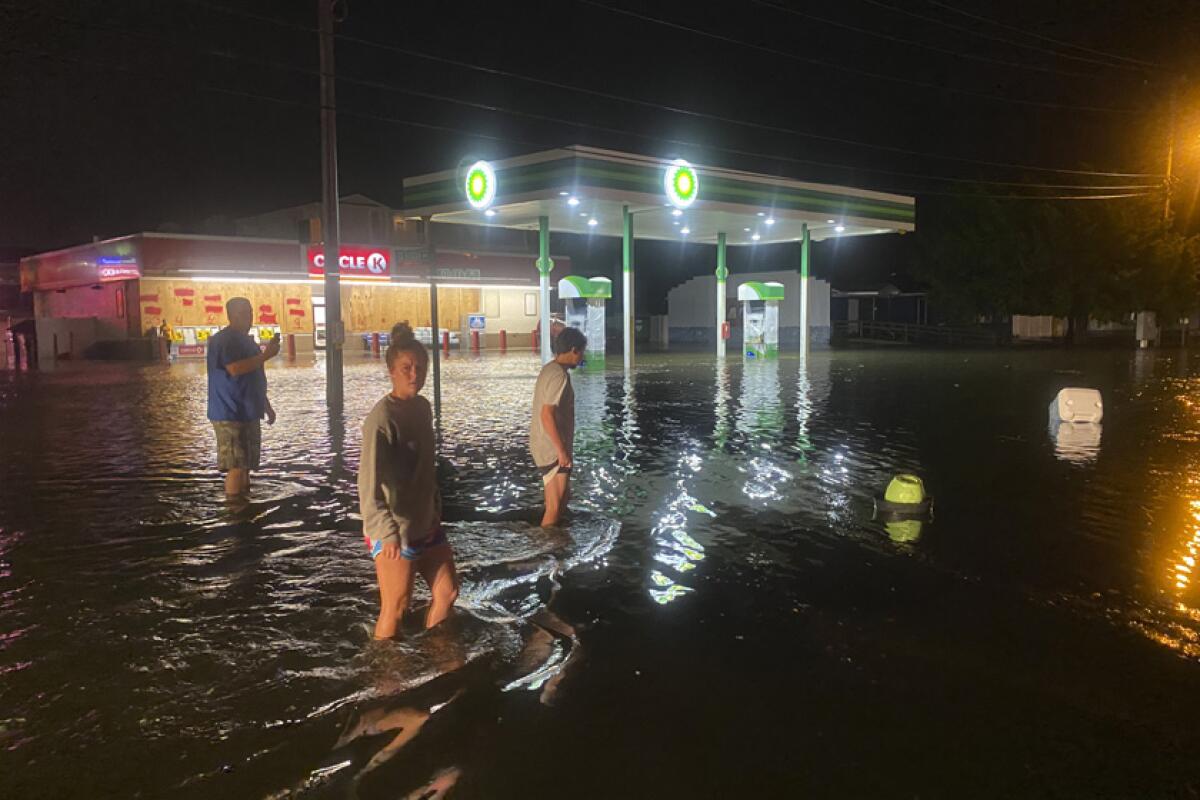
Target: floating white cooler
{"type": "Point", "coordinates": [1077, 405]}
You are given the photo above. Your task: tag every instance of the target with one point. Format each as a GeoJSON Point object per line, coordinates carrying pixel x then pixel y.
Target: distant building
{"type": "Point", "coordinates": [100, 299]}
{"type": "Point", "coordinates": [691, 308]}
{"type": "Point", "coordinates": [16, 307]}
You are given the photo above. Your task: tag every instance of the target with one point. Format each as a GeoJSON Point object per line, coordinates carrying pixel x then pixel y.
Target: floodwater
{"type": "Point", "coordinates": [723, 617]}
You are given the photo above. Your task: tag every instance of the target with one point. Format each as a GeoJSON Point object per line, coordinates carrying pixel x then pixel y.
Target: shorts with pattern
{"type": "Point", "coordinates": [239, 444]}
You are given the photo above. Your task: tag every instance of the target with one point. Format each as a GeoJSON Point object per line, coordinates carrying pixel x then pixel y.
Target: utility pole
{"type": "Point", "coordinates": [1171, 151]}
{"type": "Point", "coordinates": [334, 332]}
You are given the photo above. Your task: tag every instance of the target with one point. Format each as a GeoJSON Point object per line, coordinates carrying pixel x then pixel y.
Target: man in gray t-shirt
{"type": "Point", "coordinates": [552, 431]}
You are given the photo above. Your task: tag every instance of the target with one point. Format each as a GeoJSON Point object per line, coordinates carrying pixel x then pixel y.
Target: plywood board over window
{"type": "Point", "coordinates": [491, 304]}
{"type": "Point", "coordinates": [186, 303]}
{"type": "Point", "coordinates": [375, 309]}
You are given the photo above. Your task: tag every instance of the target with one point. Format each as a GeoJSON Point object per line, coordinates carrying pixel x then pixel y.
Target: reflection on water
{"type": "Point", "coordinates": [233, 647]}
{"type": "Point", "coordinates": [1077, 442]}
{"type": "Point", "coordinates": [904, 531]}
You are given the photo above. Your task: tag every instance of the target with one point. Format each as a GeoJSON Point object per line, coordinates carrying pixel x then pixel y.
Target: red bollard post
{"type": "Point", "coordinates": [291, 347]}
{"type": "Point", "coordinates": [375, 344]}
{"type": "Point", "coordinates": [503, 341]}
{"type": "Point", "coordinates": [475, 341]}
{"type": "Point", "coordinates": [445, 341]}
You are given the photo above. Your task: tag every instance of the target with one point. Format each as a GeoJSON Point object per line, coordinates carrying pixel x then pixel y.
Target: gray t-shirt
{"type": "Point", "coordinates": [553, 388]}
{"type": "Point", "coordinates": [397, 476]}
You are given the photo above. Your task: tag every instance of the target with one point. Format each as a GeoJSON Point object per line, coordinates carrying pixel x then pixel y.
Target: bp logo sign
{"type": "Point", "coordinates": [681, 183]}
{"type": "Point", "coordinates": [480, 185]}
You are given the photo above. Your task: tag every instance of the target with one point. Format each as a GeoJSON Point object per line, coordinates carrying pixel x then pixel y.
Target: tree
{"type": "Point", "coordinates": [1073, 259]}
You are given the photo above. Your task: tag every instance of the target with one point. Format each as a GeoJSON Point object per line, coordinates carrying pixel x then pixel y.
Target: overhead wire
{"type": "Point", "coordinates": [919, 44]}
{"type": "Point", "coordinates": [542, 144]}
{"type": "Point", "coordinates": [1051, 40]}
{"type": "Point", "coordinates": [495, 108]}
{"type": "Point", "coordinates": [676, 109]}
{"type": "Point", "coordinates": [852, 70]}
{"type": "Point", "coordinates": [745, 123]}
{"type": "Point", "coordinates": [994, 38]}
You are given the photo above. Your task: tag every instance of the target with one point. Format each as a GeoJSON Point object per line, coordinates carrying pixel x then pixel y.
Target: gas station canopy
{"type": "Point", "coordinates": [584, 190]}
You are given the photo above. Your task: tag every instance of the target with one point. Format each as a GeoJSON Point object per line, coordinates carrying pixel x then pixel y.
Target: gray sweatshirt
{"type": "Point", "coordinates": [397, 477]}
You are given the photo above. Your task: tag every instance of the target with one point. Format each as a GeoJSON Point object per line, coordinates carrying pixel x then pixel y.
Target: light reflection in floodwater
{"type": "Point", "coordinates": [230, 644]}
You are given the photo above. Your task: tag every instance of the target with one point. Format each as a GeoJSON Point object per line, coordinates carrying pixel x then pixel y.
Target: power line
{"type": "Point", "coordinates": [680, 110]}
{"type": "Point", "coordinates": [994, 38]}
{"type": "Point", "coordinates": [863, 73]}
{"type": "Point", "coordinates": [924, 45]}
{"type": "Point", "coordinates": [576, 123]}
{"type": "Point", "coordinates": [226, 55]}
{"type": "Point", "coordinates": [732, 121]}
{"type": "Point", "coordinates": [312, 105]}
{"type": "Point", "coordinates": [397, 121]}
{"type": "Point", "coordinates": [970, 196]}
{"type": "Point", "coordinates": [1039, 36]}
{"type": "Point", "coordinates": [493, 108]}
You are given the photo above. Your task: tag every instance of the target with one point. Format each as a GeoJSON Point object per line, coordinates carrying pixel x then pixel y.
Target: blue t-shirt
{"type": "Point", "coordinates": [230, 399]}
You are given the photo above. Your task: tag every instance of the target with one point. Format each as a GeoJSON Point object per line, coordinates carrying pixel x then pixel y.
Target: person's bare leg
{"type": "Point", "coordinates": [395, 589]}
{"type": "Point", "coordinates": [237, 481]}
{"type": "Point", "coordinates": [437, 568]}
{"type": "Point", "coordinates": [556, 488]}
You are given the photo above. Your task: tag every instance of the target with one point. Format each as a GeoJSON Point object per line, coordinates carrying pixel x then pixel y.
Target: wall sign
{"type": "Point", "coordinates": [363, 262]}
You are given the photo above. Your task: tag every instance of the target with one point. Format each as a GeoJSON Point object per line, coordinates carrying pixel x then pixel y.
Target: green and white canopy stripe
{"type": "Point", "coordinates": [577, 286]}
{"type": "Point", "coordinates": [575, 185]}
{"type": "Point", "coordinates": [759, 290]}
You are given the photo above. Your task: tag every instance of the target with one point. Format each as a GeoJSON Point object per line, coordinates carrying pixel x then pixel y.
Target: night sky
{"type": "Point", "coordinates": [128, 116]}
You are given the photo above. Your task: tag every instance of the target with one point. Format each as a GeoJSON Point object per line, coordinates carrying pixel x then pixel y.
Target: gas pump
{"type": "Point", "coordinates": [584, 300]}
{"type": "Point", "coordinates": [760, 318]}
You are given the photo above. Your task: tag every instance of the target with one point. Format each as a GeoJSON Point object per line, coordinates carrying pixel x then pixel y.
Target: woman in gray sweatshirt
{"type": "Point", "coordinates": [398, 493]}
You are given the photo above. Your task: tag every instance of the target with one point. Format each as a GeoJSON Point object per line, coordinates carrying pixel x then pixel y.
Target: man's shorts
{"type": "Point", "coordinates": [414, 550]}
{"type": "Point", "coordinates": [550, 470]}
{"type": "Point", "coordinates": [239, 444]}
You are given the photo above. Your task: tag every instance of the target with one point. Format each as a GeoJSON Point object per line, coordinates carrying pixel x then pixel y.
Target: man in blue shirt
{"type": "Point", "coordinates": [237, 395]}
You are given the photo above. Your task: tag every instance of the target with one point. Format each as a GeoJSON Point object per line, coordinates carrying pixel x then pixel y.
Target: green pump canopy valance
{"type": "Point", "coordinates": [576, 286]}
{"type": "Point", "coordinates": [584, 190]}
{"type": "Point", "coordinates": [758, 290]}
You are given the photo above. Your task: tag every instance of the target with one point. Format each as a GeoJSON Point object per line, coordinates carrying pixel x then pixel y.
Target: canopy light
{"type": "Point", "coordinates": [830, 221]}
{"type": "Point", "coordinates": [769, 221]}
{"type": "Point", "coordinates": [685, 231]}
{"type": "Point", "coordinates": [593, 222]}
{"type": "Point", "coordinates": [480, 185]}
{"type": "Point", "coordinates": [681, 183]}
{"type": "Point", "coordinates": [572, 201]}
{"type": "Point", "coordinates": [677, 212]}
{"type": "Point", "coordinates": [491, 212]}
{"type": "Point", "coordinates": [840, 229]}
{"type": "Point", "coordinates": [756, 237]}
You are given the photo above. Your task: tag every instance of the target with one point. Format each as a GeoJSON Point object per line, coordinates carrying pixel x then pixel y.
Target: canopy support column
{"type": "Point", "coordinates": [544, 265]}
{"type": "Point", "coordinates": [722, 274]}
{"type": "Point", "coordinates": [627, 283]}
{"type": "Point", "coordinates": [435, 336]}
{"type": "Point", "coordinates": [804, 248]}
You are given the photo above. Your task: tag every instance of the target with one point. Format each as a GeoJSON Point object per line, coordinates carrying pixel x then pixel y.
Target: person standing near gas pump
{"type": "Point", "coordinates": [237, 395]}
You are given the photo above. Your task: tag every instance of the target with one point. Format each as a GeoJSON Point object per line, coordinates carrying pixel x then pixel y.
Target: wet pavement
{"type": "Point", "coordinates": [723, 617]}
